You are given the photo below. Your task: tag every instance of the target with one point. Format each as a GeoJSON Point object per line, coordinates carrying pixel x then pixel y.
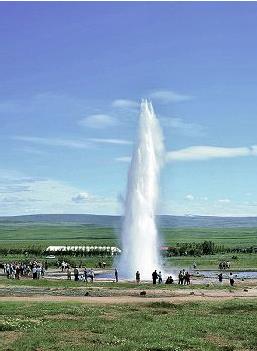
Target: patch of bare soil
{"type": "Point", "coordinates": [9, 337]}
{"type": "Point", "coordinates": [109, 316]}
{"type": "Point", "coordinates": [217, 340]}
{"type": "Point", "coordinates": [74, 337]}
{"type": "Point", "coordinates": [179, 297]}
{"type": "Point", "coordinates": [62, 316]}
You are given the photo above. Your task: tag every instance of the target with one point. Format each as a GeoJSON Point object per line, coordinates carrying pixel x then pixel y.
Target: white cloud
{"type": "Point", "coordinates": [123, 159]}
{"type": "Point", "coordinates": [167, 96]}
{"type": "Point", "coordinates": [99, 121]}
{"type": "Point", "coordinates": [124, 103]}
{"type": "Point", "coordinates": [22, 195]}
{"type": "Point", "coordinates": [81, 197]}
{"type": "Point", "coordinates": [224, 201]}
{"type": "Point", "coordinates": [201, 153]}
{"type": "Point", "coordinates": [110, 141]}
{"type": "Point", "coordinates": [189, 197]}
{"type": "Point", "coordinates": [71, 143]}
{"type": "Point", "coordinates": [190, 129]}
{"type": "Point", "coordinates": [194, 153]}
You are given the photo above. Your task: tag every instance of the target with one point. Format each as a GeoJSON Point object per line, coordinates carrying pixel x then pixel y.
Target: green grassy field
{"type": "Point", "coordinates": [44, 235]}
{"type": "Point", "coordinates": [204, 326]}
{"type": "Point", "coordinates": [105, 286]}
{"type": "Point", "coordinates": [229, 237]}
{"type": "Point", "coordinates": [159, 326]}
{"type": "Point", "coordinates": [41, 236]}
{"type": "Point", "coordinates": [243, 261]}
{"type": "Point", "coordinates": [23, 235]}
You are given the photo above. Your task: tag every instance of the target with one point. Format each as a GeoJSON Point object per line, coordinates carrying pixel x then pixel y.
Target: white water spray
{"type": "Point", "coordinates": [140, 245]}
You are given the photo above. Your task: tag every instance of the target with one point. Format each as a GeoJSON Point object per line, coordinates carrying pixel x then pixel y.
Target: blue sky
{"type": "Point", "coordinates": [72, 75]}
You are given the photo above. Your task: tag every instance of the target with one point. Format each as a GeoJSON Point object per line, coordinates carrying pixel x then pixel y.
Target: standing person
{"type": "Point", "coordinates": [92, 275]}
{"type": "Point", "coordinates": [160, 277]}
{"type": "Point", "coordinates": [231, 279]}
{"type": "Point", "coordinates": [76, 274]}
{"type": "Point", "coordinates": [154, 276]}
{"type": "Point", "coordinates": [220, 277]}
{"type": "Point", "coordinates": [34, 272]}
{"type": "Point", "coordinates": [13, 271]}
{"type": "Point", "coordinates": [187, 278]}
{"type": "Point", "coordinates": [85, 275]}
{"type": "Point", "coordinates": [17, 273]}
{"type": "Point", "coordinates": [180, 278]}
{"type": "Point", "coordinates": [46, 265]}
{"type": "Point", "coordinates": [8, 270]}
{"type": "Point", "coordinates": [137, 277]}
{"type": "Point", "coordinates": [183, 277]}
{"type": "Point", "coordinates": [68, 273]}
{"type": "Point", "coordinates": [116, 275]}
{"type": "Point", "coordinates": [38, 271]}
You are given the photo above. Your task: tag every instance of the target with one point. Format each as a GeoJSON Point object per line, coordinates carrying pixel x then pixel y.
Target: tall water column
{"type": "Point", "coordinates": [140, 245]}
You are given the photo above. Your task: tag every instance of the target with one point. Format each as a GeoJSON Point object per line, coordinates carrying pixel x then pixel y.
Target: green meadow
{"type": "Point", "coordinates": [61, 234]}
{"type": "Point", "coordinates": [40, 236]}
{"type": "Point", "coordinates": [159, 326]}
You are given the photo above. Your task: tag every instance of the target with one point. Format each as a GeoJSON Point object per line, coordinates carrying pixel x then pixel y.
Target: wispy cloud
{"type": "Point", "coordinates": [27, 195]}
{"type": "Point", "coordinates": [189, 129]}
{"type": "Point", "coordinates": [99, 121]}
{"type": "Point", "coordinates": [189, 197]}
{"type": "Point", "coordinates": [123, 159]}
{"type": "Point", "coordinates": [87, 198]}
{"type": "Point", "coordinates": [224, 201]}
{"type": "Point", "coordinates": [110, 141]}
{"type": "Point", "coordinates": [14, 188]}
{"type": "Point", "coordinates": [125, 103]}
{"type": "Point", "coordinates": [81, 197]}
{"type": "Point", "coordinates": [70, 143]}
{"type": "Point", "coordinates": [201, 153]}
{"type": "Point", "coordinates": [195, 153]}
{"type": "Point", "coordinates": [166, 96]}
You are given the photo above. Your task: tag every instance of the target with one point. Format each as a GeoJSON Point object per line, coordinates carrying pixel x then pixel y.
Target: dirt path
{"type": "Point", "coordinates": [179, 298]}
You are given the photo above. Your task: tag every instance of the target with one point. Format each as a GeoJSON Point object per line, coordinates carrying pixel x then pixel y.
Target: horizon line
{"type": "Point", "coordinates": [121, 215]}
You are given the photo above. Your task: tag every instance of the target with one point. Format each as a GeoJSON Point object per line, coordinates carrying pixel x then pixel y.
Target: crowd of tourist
{"type": "Point", "coordinates": [224, 265]}
{"type": "Point", "coordinates": [15, 270]}
{"type": "Point", "coordinates": [184, 277]}
{"type": "Point", "coordinates": [232, 278]}
{"type": "Point", "coordinates": [36, 270]}
{"type": "Point", "coordinates": [85, 275]}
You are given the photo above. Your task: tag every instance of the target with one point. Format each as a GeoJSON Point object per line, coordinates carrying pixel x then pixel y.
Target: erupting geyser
{"type": "Point", "coordinates": [140, 245]}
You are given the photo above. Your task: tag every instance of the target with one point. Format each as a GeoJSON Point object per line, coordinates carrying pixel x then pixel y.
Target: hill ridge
{"type": "Point", "coordinates": [116, 220]}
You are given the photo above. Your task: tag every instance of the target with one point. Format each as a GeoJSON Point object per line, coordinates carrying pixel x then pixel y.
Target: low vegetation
{"type": "Point", "coordinates": [159, 326]}
{"type": "Point", "coordinates": [204, 246]}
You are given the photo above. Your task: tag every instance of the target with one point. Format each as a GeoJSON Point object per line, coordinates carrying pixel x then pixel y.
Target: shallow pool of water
{"type": "Point", "coordinates": [238, 275]}
{"type": "Point", "coordinates": [204, 274]}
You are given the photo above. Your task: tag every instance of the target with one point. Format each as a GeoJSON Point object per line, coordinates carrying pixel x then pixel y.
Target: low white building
{"type": "Point", "coordinates": [113, 250]}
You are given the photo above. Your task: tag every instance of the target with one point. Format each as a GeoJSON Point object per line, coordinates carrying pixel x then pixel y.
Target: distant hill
{"type": "Point", "coordinates": [115, 221]}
